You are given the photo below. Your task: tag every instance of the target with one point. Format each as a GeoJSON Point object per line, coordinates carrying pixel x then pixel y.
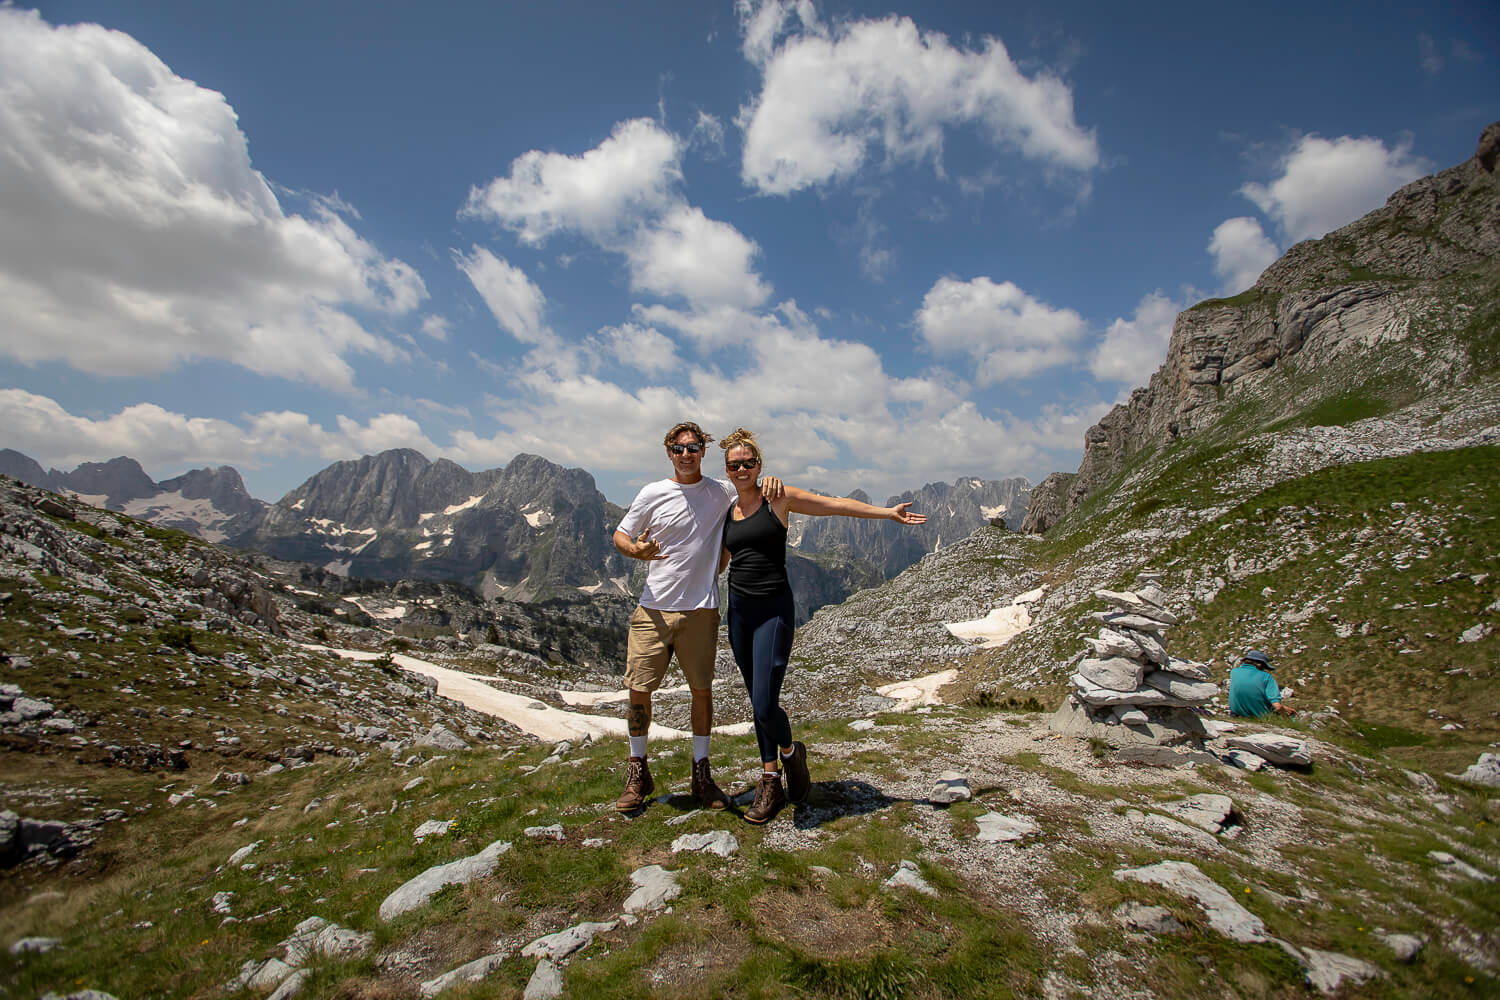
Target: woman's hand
{"type": "Point", "coordinates": [902, 513]}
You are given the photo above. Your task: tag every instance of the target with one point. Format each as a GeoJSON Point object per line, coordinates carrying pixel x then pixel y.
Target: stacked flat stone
{"type": "Point", "coordinates": [1127, 670]}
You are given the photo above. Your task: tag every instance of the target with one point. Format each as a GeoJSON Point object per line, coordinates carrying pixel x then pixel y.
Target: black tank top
{"type": "Point", "coordinates": [757, 547]}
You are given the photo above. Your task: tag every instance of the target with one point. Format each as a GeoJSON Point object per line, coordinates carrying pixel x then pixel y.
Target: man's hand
{"type": "Point", "coordinates": [647, 548]}
{"type": "Point", "coordinates": [771, 489]}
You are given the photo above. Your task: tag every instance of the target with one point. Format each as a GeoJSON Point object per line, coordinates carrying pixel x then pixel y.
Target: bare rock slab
{"type": "Point", "coordinates": [1485, 771]}
{"type": "Point", "coordinates": [1225, 915]}
{"type": "Point", "coordinates": [655, 888]}
{"type": "Point", "coordinates": [546, 982]}
{"type": "Point", "coordinates": [418, 890]}
{"type": "Point", "coordinates": [951, 787]}
{"type": "Point", "coordinates": [1207, 811]}
{"type": "Point", "coordinates": [909, 875]}
{"type": "Point", "coordinates": [996, 827]}
{"type": "Point", "coordinates": [469, 972]}
{"type": "Point", "coordinates": [720, 842]}
{"type": "Point", "coordinates": [1278, 748]}
{"type": "Point", "coordinates": [565, 942]}
{"type": "Point", "coordinates": [1327, 970]}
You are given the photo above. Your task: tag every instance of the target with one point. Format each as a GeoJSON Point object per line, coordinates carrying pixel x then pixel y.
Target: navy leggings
{"type": "Point", "coordinates": [760, 633]}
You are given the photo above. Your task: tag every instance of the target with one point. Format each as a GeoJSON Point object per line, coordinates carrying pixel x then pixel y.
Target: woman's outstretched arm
{"type": "Point", "coordinates": [801, 501]}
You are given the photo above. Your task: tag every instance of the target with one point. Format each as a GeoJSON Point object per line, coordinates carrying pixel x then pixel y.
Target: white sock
{"type": "Point", "coordinates": [637, 746]}
{"type": "Point", "coordinates": [700, 747]}
{"type": "Point", "coordinates": [787, 753]}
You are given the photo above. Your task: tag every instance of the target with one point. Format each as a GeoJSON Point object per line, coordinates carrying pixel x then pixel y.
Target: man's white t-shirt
{"type": "Point", "coordinates": [688, 522]}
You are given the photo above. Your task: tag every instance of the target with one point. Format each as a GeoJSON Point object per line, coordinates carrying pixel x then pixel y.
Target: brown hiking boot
{"type": "Point", "coordinates": [798, 781]}
{"type": "Point", "coordinates": [708, 794]}
{"type": "Point", "coordinates": [769, 798]}
{"type": "Point", "coordinates": [638, 786]}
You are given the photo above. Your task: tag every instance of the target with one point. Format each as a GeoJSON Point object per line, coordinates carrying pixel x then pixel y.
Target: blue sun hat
{"type": "Point", "coordinates": [1258, 658]}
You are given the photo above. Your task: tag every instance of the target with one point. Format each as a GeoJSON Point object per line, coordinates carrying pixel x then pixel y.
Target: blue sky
{"type": "Point", "coordinates": [902, 244]}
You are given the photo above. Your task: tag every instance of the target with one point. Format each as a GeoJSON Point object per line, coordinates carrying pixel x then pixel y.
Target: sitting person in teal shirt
{"type": "Point", "coordinates": [1252, 689]}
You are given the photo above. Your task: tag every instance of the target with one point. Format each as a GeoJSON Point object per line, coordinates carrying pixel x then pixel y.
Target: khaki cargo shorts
{"type": "Point", "coordinates": [655, 635]}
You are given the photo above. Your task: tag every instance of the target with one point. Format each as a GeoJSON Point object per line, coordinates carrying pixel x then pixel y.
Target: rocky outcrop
{"type": "Point", "coordinates": [1049, 502]}
{"type": "Point", "coordinates": [1352, 305]}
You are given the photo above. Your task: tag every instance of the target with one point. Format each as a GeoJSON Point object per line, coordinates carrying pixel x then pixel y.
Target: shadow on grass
{"type": "Point", "coordinates": [831, 800]}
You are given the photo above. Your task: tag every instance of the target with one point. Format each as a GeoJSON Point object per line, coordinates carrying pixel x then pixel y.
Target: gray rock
{"type": "Point", "coordinates": [546, 982]}
{"type": "Point", "coordinates": [291, 986]}
{"type": "Point", "coordinates": [1459, 865]}
{"type": "Point", "coordinates": [1086, 691]}
{"type": "Point", "coordinates": [1485, 771]}
{"type": "Point", "coordinates": [655, 887]}
{"type": "Point", "coordinates": [950, 787]}
{"type": "Point", "coordinates": [1206, 811]}
{"type": "Point", "coordinates": [996, 828]}
{"type": "Point", "coordinates": [553, 832]}
{"type": "Point", "coordinates": [1151, 647]}
{"type": "Point", "coordinates": [1114, 643]}
{"type": "Point", "coordinates": [373, 734]}
{"type": "Point", "coordinates": [469, 972]}
{"type": "Point", "coordinates": [35, 945]}
{"type": "Point", "coordinates": [1277, 748]}
{"type": "Point", "coordinates": [1140, 623]}
{"type": "Point", "coordinates": [1244, 759]}
{"type": "Point", "coordinates": [1165, 726]}
{"type": "Point", "coordinates": [720, 842]}
{"type": "Point", "coordinates": [1151, 919]}
{"type": "Point", "coordinates": [10, 836]}
{"type": "Point", "coordinates": [30, 709]}
{"type": "Point", "coordinates": [1327, 970]}
{"type": "Point", "coordinates": [1406, 947]}
{"type": "Point", "coordinates": [1183, 688]}
{"type": "Point", "coordinates": [1129, 715]}
{"type": "Point", "coordinates": [1117, 673]}
{"type": "Point", "coordinates": [1190, 669]}
{"type": "Point", "coordinates": [1131, 603]}
{"type": "Point", "coordinates": [1224, 914]}
{"type": "Point", "coordinates": [80, 995]}
{"type": "Point", "coordinates": [432, 828]}
{"type": "Point", "coordinates": [418, 890]}
{"type": "Point", "coordinates": [441, 737]}
{"type": "Point", "coordinates": [1167, 829]}
{"type": "Point", "coordinates": [565, 942]}
{"type": "Point", "coordinates": [909, 875]}
{"type": "Point", "coordinates": [242, 853]}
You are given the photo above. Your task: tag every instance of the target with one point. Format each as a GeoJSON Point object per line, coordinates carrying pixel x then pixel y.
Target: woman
{"type": "Point", "coordinates": [760, 615]}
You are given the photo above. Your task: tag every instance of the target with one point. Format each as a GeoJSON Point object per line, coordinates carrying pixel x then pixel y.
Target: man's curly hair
{"type": "Point", "coordinates": [704, 438]}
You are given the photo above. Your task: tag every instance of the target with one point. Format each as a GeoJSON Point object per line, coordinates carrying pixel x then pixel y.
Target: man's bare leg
{"type": "Point", "coordinates": [638, 783]}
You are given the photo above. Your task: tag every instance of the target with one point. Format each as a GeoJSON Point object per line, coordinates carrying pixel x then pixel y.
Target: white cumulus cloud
{"type": "Point", "coordinates": [513, 299]}
{"type": "Point", "coordinates": [599, 193]}
{"type": "Point", "coordinates": [135, 235]}
{"type": "Point", "coordinates": [1328, 183]}
{"type": "Point", "coordinates": [1009, 333]}
{"type": "Point", "coordinates": [1132, 349]}
{"type": "Point", "coordinates": [1241, 250]}
{"type": "Point", "coordinates": [834, 98]}
{"type": "Point", "coordinates": [162, 439]}
{"type": "Point", "coordinates": [624, 195]}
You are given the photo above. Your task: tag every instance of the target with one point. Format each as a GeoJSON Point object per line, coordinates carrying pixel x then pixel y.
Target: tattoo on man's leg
{"type": "Point", "coordinates": [636, 720]}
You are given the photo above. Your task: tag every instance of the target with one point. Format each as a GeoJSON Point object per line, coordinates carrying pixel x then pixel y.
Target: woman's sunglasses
{"type": "Point", "coordinates": [741, 463]}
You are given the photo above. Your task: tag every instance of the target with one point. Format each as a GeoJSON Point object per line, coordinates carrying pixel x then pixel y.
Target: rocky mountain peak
{"type": "Point", "coordinates": [1385, 298]}
{"type": "Point", "coordinates": [120, 479]}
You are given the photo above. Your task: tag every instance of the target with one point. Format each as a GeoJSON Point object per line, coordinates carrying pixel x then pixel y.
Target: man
{"type": "Point", "coordinates": [1252, 689]}
{"type": "Point", "coordinates": [676, 525]}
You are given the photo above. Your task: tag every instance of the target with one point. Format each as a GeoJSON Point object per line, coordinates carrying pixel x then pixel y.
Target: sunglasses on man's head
{"type": "Point", "coordinates": [737, 464]}
{"type": "Point", "coordinates": [691, 449]}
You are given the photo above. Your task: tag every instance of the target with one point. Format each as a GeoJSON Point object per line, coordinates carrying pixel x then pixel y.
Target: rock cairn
{"type": "Point", "coordinates": [1126, 687]}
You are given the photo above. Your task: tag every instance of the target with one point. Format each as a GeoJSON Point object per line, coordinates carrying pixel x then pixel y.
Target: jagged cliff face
{"type": "Point", "coordinates": [528, 531]}
{"type": "Point", "coordinates": [1395, 293]}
